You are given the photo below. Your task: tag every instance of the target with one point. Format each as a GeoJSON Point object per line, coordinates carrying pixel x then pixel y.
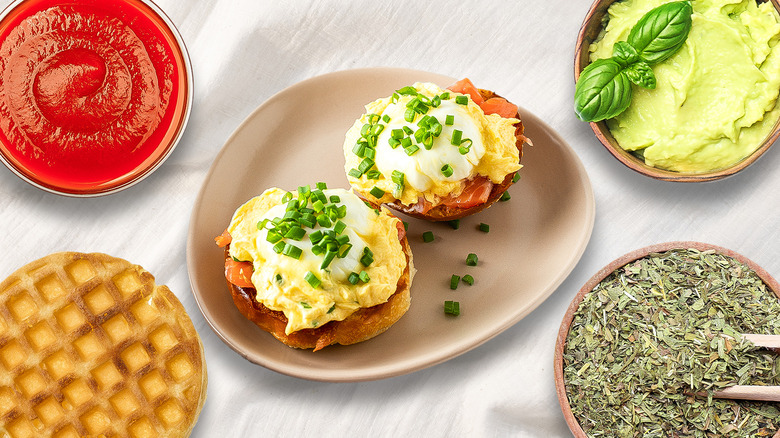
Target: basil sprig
{"type": "Point", "coordinates": [604, 88]}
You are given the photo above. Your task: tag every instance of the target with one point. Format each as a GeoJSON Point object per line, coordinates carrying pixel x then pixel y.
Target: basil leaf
{"type": "Point", "coordinates": [602, 92]}
{"type": "Point", "coordinates": [661, 32]}
{"type": "Point", "coordinates": [624, 53]}
{"type": "Point", "coordinates": [641, 74]}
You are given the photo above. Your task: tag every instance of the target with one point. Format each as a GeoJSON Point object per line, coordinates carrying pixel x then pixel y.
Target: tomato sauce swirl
{"type": "Point", "coordinates": [92, 92]}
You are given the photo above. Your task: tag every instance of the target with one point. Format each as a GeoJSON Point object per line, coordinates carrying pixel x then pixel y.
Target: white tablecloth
{"type": "Point", "coordinates": [244, 51]}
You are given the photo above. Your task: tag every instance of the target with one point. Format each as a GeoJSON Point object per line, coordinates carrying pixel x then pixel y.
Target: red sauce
{"type": "Point", "coordinates": [93, 93]}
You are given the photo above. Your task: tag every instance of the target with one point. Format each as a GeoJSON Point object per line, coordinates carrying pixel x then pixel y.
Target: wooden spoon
{"type": "Point", "coordinates": [754, 392]}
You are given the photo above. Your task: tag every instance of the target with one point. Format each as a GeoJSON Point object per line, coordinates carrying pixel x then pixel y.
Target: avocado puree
{"type": "Point", "coordinates": [716, 99]}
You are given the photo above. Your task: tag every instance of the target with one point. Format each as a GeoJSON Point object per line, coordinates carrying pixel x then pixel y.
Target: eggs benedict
{"type": "Point", "coordinates": [433, 153]}
{"type": "Point", "coordinates": [317, 266]}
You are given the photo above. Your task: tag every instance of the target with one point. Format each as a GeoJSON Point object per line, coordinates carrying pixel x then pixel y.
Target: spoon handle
{"type": "Point", "coordinates": [766, 341]}
{"type": "Point", "coordinates": [750, 392]}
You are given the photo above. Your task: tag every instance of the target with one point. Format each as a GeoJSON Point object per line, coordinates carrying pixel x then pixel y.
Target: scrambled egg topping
{"type": "Point", "coordinates": [363, 271]}
{"type": "Point", "coordinates": [428, 141]}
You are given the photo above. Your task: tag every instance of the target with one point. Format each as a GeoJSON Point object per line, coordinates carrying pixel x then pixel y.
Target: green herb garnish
{"type": "Point", "coordinates": [604, 87]}
{"type": "Point", "coordinates": [427, 236]}
{"type": "Point", "coordinates": [454, 280]}
{"type": "Point", "coordinates": [471, 259]}
{"type": "Point", "coordinates": [452, 308]}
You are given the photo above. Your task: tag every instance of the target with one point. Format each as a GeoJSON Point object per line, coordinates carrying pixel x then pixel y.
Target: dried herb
{"type": "Point", "coordinates": [666, 326]}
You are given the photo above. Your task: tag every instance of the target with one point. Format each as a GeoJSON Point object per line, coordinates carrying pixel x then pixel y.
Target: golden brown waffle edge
{"type": "Point", "coordinates": [91, 346]}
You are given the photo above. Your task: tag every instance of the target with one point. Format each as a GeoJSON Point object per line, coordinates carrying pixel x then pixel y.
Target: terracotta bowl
{"type": "Point", "coordinates": [591, 27]}
{"type": "Point", "coordinates": [563, 332]}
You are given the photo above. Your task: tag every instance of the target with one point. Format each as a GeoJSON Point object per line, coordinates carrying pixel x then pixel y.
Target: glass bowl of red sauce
{"type": "Point", "coordinates": [94, 94]}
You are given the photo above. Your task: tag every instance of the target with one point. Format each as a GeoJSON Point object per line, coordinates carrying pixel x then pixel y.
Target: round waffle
{"type": "Point", "coordinates": [91, 346]}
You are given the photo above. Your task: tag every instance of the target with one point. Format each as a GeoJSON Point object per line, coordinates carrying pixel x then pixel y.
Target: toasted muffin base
{"type": "Point", "coordinates": [447, 213]}
{"type": "Point", "coordinates": [362, 325]}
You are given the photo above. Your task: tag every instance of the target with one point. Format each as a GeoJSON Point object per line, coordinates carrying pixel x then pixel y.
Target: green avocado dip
{"type": "Point", "coordinates": [716, 99]}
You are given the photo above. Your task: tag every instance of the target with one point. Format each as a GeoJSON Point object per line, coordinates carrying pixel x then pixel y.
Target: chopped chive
{"type": "Point", "coordinates": [332, 308]}
{"type": "Point", "coordinates": [411, 150]}
{"type": "Point", "coordinates": [279, 247]}
{"type": "Point", "coordinates": [291, 250]}
{"type": "Point", "coordinates": [353, 278]}
{"type": "Point", "coordinates": [485, 228]}
{"type": "Point", "coordinates": [386, 119]}
{"type": "Point", "coordinates": [468, 279]}
{"type": "Point", "coordinates": [344, 250]}
{"type": "Point", "coordinates": [446, 170]}
{"type": "Point", "coordinates": [449, 120]}
{"type": "Point", "coordinates": [454, 280]}
{"type": "Point", "coordinates": [367, 258]}
{"type": "Point", "coordinates": [462, 100]}
{"type": "Point", "coordinates": [516, 178]}
{"type": "Point", "coordinates": [339, 227]}
{"type": "Point", "coordinates": [427, 236]}
{"type": "Point", "coordinates": [334, 199]}
{"type": "Point", "coordinates": [457, 135]}
{"type": "Point", "coordinates": [471, 259]}
{"type": "Point", "coordinates": [452, 308]}
{"type": "Point", "coordinates": [354, 173]}
{"type": "Point", "coordinates": [287, 197]}
{"type": "Point", "coordinates": [295, 233]}
{"type": "Point", "coordinates": [377, 192]}
{"type": "Point", "coordinates": [304, 304]}
{"type": "Point", "coordinates": [505, 197]}
{"type": "Point", "coordinates": [312, 280]}
{"type": "Point", "coordinates": [329, 256]}
{"type": "Point", "coordinates": [273, 236]}
{"type": "Point", "coordinates": [364, 276]}
{"type": "Point", "coordinates": [455, 223]}
{"type": "Point", "coordinates": [398, 178]}
{"type": "Point", "coordinates": [365, 165]}
{"type": "Point", "coordinates": [373, 174]}
{"type": "Point", "coordinates": [279, 279]}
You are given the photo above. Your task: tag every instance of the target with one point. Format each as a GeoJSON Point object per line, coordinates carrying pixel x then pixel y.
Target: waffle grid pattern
{"type": "Point", "coordinates": [90, 346]}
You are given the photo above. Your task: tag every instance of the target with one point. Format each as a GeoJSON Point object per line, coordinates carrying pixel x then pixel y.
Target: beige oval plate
{"type": "Point", "coordinates": [296, 137]}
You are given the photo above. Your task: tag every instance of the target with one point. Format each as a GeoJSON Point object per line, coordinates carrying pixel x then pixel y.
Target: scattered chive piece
{"type": "Point", "coordinates": [339, 227]}
{"type": "Point", "coordinates": [446, 170]}
{"type": "Point", "coordinates": [333, 307]}
{"type": "Point", "coordinates": [449, 120]}
{"type": "Point", "coordinates": [471, 259]}
{"type": "Point", "coordinates": [455, 223]}
{"type": "Point", "coordinates": [406, 225]}
{"type": "Point", "coordinates": [377, 192]}
{"type": "Point", "coordinates": [468, 279]}
{"type": "Point", "coordinates": [279, 247]}
{"type": "Point", "coordinates": [353, 278]}
{"type": "Point", "coordinates": [485, 228]}
{"type": "Point", "coordinates": [454, 280]}
{"type": "Point", "coordinates": [452, 308]}
{"type": "Point", "coordinates": [373, 174]}
{"type": "Point", "coordinates": [322, 185]}
{"type": "Point", "coordinates": [305, 304]}
{"type": "Point", "coordinates": [462, 100]}
{"type": "Point", "coordinates": [386, 119]}
{"type": "Point", "coordinates": [427, 236]}
{"type": "Point", "coordinates": [354, 173]}
{"type": "Point", "coordinates": [279, 279]}
{"type": "Point", "coordinates": [363, 276]}
{"type": "Point", "coordinates": [516, 178]}
{"type": "Point", "coordinates": [312, 280]}
{"type": "Point", "coordinates": [504, 197]}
